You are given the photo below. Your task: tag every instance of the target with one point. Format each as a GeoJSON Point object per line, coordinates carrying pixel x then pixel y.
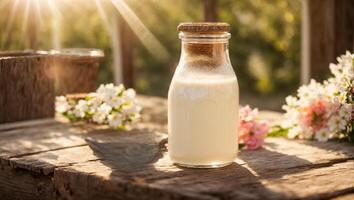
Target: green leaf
{"type": "Point", "coordinates": [278, 131]}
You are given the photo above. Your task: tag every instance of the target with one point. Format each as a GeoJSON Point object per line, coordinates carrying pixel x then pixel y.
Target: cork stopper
{"type": "Point", "coordinates": [201, 52]}
{"type": "Point", "coordinates": [204, 27]}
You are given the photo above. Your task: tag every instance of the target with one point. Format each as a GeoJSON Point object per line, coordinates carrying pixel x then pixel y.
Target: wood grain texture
{"type": "Point", "coordinates": [89, 162]}
{"type": "Point", "coordinates": [29, 82]}
{"type": "Point", "coordinates": [75, 74]}
{"type": "Point", "coordinates": [331, 33]}
{"type": "Point", "coordinates": [26, 87]}
{"type": "Point", "coordinates": [22, 184]}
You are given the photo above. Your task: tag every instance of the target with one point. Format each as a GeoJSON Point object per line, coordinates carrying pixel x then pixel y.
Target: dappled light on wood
{"type": "Point", "coordinates": [138, 99]}
{"type": "Point", "coordinates": [80, 161]}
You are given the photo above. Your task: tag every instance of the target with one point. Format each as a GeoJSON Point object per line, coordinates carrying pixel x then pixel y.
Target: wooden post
{"type": "Point", "coordinates": [305, 43]}
{"type": "Point", "coordinates": [32, 27]}
{"type": "Point", "coordinates": [344, 26]}
{"type": "Point", "coordinates": [210, 10]}
{"type": "Point", "coordinates": [126, 39]}
{"type": "Point", "coordinates": [331, 33]}
{"type": "Point", "coordinates": [116, 52]}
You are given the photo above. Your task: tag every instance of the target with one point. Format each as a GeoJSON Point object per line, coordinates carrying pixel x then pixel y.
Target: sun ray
{"type": "Point", "coordinates": [10, 22]}
{"type": "Point", "coordinates": [55, 23]}
{"type": "Point", "coordinates": [141, 31]}
{"type": "Point", "coordinates": [25, 20]}
{"type": "Point", "coordinates": [38, 12]}
{"type": "Point", "coordinates": [76, 7]}
{"type": "Point", "coordinates": [53, 7]}
{"type": "Point", "coordinates": [4, 4]}
{"type": "Point", "coordinates": [103, 15]}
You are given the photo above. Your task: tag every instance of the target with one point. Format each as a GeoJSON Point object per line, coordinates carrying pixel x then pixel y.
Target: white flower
{"type": "Point", "coordinates": [61, 104]}
{"type": "Point", "coordinates": [106, 92]}
{"type": "Point", "coordinates": [115, 101]}
{"type": "Point", "coordinates": [129, 94]}
{"type": "Point", "coordinates": [101, 113]}
{"type": "Point", "coordinates": [115, 120]}
{"type": "Point", "coordinates": [335, 95]}
{"type": "Point", "coordinates": [110, 104]}
{"type": "Point", "coordinates": [105, 109]}
{"type": "Point", "coordinates": [81, 108]}
{"type": "Point", "coordinates": [291, 101]}
{"type": "Point", "coordinates": [306, 132]}
{"type": "Point", "coordinates": [336, 123]}
{"type": "Point", "coordinates": [98, 117]}
{"type": "Point", "coordinates": [322, 135]}
{"type": "Point", "coordinates": [94, 102]}
{"type": "Point", "coordinates": [290, 118]}
{"type": "Point", "coordinates": [294, 132]}
{"type": "Point", "coordinates": [345, 112]}
{"type": "Point", "coordinates": [131, 109]}
{"type": "Point", "coordinates": [136, 117]}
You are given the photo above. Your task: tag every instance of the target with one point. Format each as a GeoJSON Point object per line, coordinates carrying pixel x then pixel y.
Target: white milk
{"type": "Point", "coordinates": [203, 120]}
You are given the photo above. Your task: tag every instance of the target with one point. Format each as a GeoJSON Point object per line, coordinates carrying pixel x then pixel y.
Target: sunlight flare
{"type": "Point", "coordinates": [56, 18]}
{"type": "Point", "coordinates": [25, 20]}
{"type": "Point", "coordinates": [150, 42]}
{"type": "Point", "coordinates": [38, 11]}
{"type": "Point", "coordinates": [103, 15]}
{"type": "Point", "coordinates": [11, 20]}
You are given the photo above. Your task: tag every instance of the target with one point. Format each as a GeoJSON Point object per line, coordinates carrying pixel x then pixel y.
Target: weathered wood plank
{"type": "Point", "coordinates": [90, 162]}
{"type": "Point", "coordinates": [266, 177]}
{"type": "Point", "coordinates": [29, 140]}
{"type": "Point", "coordinates": [22, 184]}
{"type": "Point", "coordinates": [345, 197]}
{"type": "Point", "coordinates": [33, 136]}
{"type": "Point", "coordinates": [27, 123]}
{"type": "Point", "coordinates": [112, 145]}
{"type": "Point", "coordinates": [126, 159]}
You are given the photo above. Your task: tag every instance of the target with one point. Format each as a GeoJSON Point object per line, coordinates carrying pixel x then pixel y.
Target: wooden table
{"type": "Point", "coordinates": [49, 159]}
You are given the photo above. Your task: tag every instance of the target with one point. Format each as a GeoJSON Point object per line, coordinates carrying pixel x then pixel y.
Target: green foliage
{"type": "Point", "coordinates": [264, 48]}
{"type": "Point", "coordinates": [278, 131]}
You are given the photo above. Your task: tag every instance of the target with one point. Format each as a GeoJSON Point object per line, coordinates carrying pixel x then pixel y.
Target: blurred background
{"type": "Point", "coordinates": [141, 44]}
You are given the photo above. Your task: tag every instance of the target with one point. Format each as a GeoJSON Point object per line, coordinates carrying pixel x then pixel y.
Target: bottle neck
{"type": "Point", "coordinates": [205, 50]}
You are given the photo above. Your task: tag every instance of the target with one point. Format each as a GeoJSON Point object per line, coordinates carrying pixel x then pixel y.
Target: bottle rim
{"type": "Point", "coordinates": [195, 37]}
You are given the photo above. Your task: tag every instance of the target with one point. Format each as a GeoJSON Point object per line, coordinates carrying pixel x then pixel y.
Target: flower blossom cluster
{"type": "Point", "coordinates": [112, 105]}
{"type": "Point", "coordinates": [252, 131]}
{"type": "Point", "coordinates": [323, 111]}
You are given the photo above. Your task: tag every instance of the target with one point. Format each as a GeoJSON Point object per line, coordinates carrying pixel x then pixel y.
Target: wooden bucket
{"type": "Point", "coordinates": [26, 87]}
{"type": "Point", "coordinates": [75, 70]}
{"type": "Point", "coordinates": [29, 81]}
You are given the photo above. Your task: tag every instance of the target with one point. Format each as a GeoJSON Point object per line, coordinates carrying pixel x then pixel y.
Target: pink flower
{"type": "Point", "coordinates": [251, 130]}
{"type": "Point", "coordinates": [315, 115]}
{"type": "Point", "coordinates": [254, 143]}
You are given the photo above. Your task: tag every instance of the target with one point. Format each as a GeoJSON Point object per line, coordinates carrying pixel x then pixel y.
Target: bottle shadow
{"type": "Point", "coordinates": [141, 157]}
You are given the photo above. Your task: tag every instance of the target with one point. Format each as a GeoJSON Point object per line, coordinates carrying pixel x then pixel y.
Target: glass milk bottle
{"type": "Point", "coordinates": [203, 99]}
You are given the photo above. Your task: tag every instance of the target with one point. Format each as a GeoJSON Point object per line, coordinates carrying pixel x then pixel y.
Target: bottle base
{"type": "Point", "coordinates": [219, 165]}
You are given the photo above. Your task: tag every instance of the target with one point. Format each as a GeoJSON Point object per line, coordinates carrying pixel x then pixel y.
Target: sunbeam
{"type": "Point", "coordinates": [25, 20]}
{"type": "Point", "coordinates": [55, 24]}
{"type": "Point", "coordinates": [103, 16]}
{"type": "Point", "coordinates": [141, 31]}
{"type": "Point", "coordinates": [10, 21]}
{"type": "Point", "coordinates": [32, 21]}
{"type": "Point", "coordinates": [4, 4]}
{"type": "Point", "coordinates": [37, 9]}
